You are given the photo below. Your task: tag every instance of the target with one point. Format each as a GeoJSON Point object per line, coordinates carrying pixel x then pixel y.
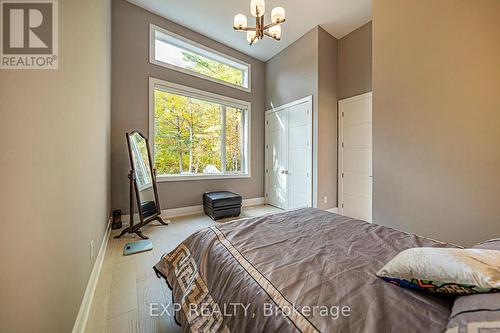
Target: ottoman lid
{"type": "Point", "coordinates": [220, 195]}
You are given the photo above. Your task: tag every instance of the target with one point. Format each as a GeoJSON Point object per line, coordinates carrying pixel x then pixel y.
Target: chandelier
{"type": "Point", "coordinates": [272, 30]}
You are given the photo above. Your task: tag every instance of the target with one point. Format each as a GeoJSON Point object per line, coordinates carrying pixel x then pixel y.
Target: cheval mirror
{"type": "Point", "coordinates": [142, 178]}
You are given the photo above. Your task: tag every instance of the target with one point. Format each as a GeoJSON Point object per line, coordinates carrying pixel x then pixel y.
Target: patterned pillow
{"type": "Point", "coordinates": [445, 270]}
{"type": "Point", "coordinates": [477, 313]}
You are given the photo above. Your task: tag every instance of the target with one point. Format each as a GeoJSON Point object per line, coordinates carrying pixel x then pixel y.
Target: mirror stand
{"type": "Point", "coordinates": [142, 179]}
{"type": "Point", "coordinates": [136, 228]}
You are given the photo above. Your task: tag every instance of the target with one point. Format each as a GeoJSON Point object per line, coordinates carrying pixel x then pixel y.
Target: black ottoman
{"type": "Point", "coordinates": [221, 204]}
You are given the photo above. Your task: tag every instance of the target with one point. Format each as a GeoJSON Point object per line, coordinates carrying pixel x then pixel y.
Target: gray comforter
{"type": "Point", "coordinates": [306, 270]}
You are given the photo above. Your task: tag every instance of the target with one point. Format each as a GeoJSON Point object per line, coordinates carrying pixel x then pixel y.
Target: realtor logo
{"type": "Point", "coordinates": [29, 34]}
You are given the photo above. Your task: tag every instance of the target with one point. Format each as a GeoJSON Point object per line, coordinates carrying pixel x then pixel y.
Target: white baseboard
{"type": "Point", "coordinates": [182, 211]}
{"type": "Point", "coordinates": [253, 202]}
{"type": "Point", "coordinates": [83, 313]}
{"type": "Point", "coordinates": [333, 210]}
{"type": "Point", "coordinates": [190, 210]}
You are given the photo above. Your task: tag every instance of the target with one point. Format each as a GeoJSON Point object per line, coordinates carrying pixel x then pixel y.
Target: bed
{"type": "Point", "coordinates": [299, 271]}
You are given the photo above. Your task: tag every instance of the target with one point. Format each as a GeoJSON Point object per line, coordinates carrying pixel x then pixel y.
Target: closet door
{"type": "Point", "coordinates": [299, 156]}
{"type": "Point", "coordinates": [277, 158]}
{"type": "Point", "coordinates": [289, 155]}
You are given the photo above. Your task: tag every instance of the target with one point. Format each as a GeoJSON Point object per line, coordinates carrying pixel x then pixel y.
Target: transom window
{"type": "Point", "coordinates": [175, 52]}
{"type": "Point", "coordinates": [197, 134]}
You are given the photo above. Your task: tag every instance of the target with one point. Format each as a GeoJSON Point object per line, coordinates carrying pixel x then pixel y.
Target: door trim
{"type": "Point", "coordinates": [313, 139]}
{"type": "Point", "coordinates": [340, 166]}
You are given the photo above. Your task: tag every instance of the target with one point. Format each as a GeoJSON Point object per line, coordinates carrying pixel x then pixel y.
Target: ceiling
{"type": "Point", "coordinates": [214, 19]}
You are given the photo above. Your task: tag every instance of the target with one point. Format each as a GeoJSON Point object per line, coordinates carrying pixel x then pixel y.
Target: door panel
{"type": "Point", "coordinates": [358, 135]}
{"type": "Point", "coordinates": [298, 166]}
{"type": "Point", "coordinates": [358, 207]}
{"type": "Point", "coordinates": [357, 111]}
{"type": "Point", "coordinates": [276, 145]}
{"type": "Point", "coordinates": [296, 160]}
{"type": "Point", "coordinates": [298, 115]}
{"type": "Point", "coordinates": [297, 181]}
{"type": "Point", "coordinates": [298, 137]}
{"type": "Point", "coordinates": [355, 158]}
{"type": "Point", "coordinates": [297, 200]}
{"type": "Point", "coordinates": [356, 184]}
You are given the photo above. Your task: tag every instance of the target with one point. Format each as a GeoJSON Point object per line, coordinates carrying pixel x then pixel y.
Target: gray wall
{"type": "Point", "coordinates": [436, 117]}
{"type": "Point", "coordinates": [295, 73]}
{"type": "Point", "coordinates": [55, 163]}
{"type": "Point", "coordinates": [131, 70]}
{"type": "Point", "coordinates": [327, 119]}
{"type": "Point", "coordinates": [354, 62]}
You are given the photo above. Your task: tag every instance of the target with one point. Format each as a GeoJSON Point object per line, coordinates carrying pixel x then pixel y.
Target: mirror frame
{"type": "Point", "coordinates": [153, 175]}
{"type": "Point", "coordinates": [134, 188]}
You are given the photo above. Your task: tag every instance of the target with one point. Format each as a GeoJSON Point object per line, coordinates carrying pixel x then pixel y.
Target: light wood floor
{"type": "Point", "coordinates": [128, 285]}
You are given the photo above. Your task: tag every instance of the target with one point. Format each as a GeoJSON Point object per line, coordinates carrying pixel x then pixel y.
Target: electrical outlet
{"type": "Point", "coordinates": [325, 199]}
{"type": "Point", "coordinates": [91, 249]}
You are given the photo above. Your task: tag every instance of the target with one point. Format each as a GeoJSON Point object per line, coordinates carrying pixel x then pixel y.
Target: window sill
{"type": "Point", "coordinates": [181, 178]}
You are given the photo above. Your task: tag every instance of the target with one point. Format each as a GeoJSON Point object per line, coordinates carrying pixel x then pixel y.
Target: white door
{"type": "Point", "coordinates": [289, 155]}
{"type": "Point", "coordinates": [355, 157]}
{"type": "Point", "coordinates": [299, 156]}
{"type": "Point", "coordinates": [276, 158]}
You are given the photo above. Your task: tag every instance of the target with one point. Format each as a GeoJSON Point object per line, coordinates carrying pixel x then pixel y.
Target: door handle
{"type": "Point", "coordinates": [284, 172]}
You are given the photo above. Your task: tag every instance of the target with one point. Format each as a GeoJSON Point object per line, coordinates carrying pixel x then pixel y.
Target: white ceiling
{"type": "Point", "coordinates": [214, 19]}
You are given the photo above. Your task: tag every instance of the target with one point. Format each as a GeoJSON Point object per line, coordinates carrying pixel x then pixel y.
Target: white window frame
{"type": "Point", "coordinates": [175, 88]}
{"type": "Point", "coordinates": [205, 51]}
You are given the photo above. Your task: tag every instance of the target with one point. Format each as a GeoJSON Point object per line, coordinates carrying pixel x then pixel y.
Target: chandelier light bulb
{"type": "Point", "coordinates": [257, 6]}
{"type": "Point", "coordinates": [278, 15]}
{"type": "Point", "coordinates": [275, 31]}
{"type": "Point", "coordinates": [250, 36]}
{"type": "Point", "coordinates": [240, 21]}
